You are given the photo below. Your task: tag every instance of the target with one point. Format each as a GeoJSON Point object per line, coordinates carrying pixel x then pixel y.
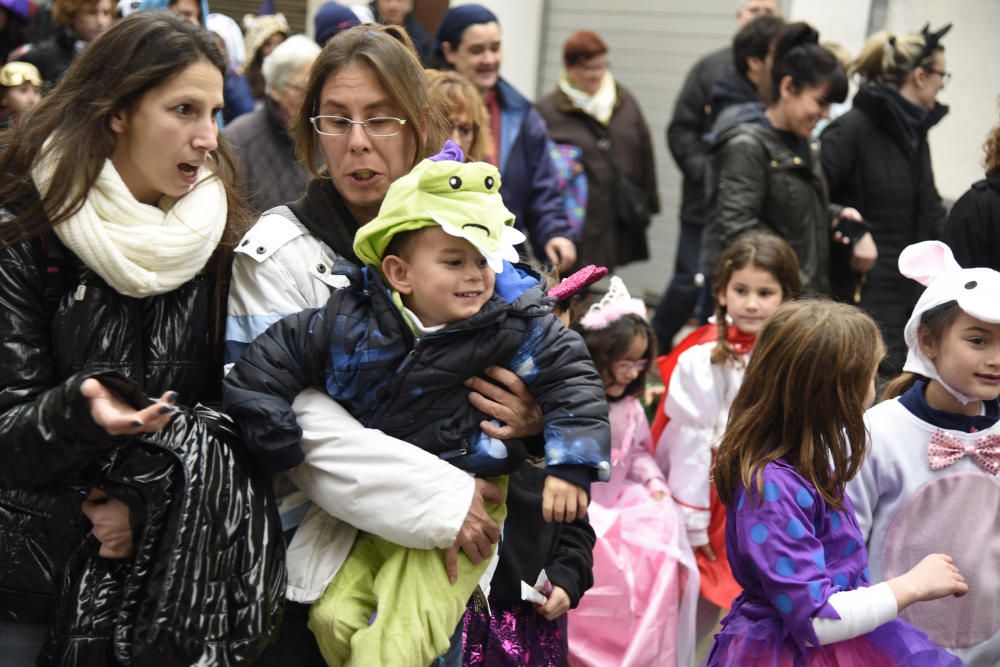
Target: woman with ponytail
{"type": "Point", "coordinates": [768, 174]}
{"type": "Point", "coordinates": [876, 159]}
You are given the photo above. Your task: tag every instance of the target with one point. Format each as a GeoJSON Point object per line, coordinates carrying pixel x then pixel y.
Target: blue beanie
{"type": "Point", "coordinates": [457, 20]}
{"type": "Point", "coordinates": [331, 19]}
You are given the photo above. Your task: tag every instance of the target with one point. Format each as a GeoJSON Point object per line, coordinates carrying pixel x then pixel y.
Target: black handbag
{"type": "Point", "coordinates": [631, 201]}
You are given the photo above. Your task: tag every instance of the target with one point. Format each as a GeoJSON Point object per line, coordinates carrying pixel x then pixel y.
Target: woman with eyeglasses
{"type": "Point", "coordinates": [368, 113]}
{"type": "Point", "coordinates": [590, 109]}
{"type": "Point", "coordinates": [877, 159]}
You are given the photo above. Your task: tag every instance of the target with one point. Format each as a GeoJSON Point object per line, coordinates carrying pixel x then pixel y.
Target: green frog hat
{"type": "Point", "coordinates": [463, 198]}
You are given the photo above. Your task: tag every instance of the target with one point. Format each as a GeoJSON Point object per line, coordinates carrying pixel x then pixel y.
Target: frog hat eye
{"type": "Point", "coordinates": [488, 182]}
{"type": "Point", "coordinates": [455, 182]}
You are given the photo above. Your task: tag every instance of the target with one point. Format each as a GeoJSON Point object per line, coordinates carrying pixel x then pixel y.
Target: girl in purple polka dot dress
{"type": "Point", "coordinates": [795, 436]}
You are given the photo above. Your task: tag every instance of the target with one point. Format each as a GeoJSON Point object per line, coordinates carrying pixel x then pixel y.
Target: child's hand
{"type": "Point", "coordinates": [934, 577]}
{"type": "Point", "coordinates": [562, 500]}
{"type": "Point", "coordinates": [556, 606]}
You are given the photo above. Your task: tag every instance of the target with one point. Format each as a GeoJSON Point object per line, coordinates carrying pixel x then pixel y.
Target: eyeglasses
{"type": "Point", "coordinates": [945, 76]}
{"type": "Point", "coordinates": [338, 126]}
{"type": "Point", "coordinates": [599, 68]}
{"type": "Point", "coordinates": [622, 366]}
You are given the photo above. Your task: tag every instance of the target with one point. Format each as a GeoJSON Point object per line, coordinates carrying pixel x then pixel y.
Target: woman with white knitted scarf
{"type": "Point", "coordinates": [119, 209]}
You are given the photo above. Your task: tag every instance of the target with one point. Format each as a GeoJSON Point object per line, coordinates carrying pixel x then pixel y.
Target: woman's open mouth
{"type": "Point", "coordinates": [189, 172]}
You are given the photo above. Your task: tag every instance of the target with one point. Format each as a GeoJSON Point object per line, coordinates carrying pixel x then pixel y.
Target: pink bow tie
{"type": "Point", "coordinates": [945, 449]}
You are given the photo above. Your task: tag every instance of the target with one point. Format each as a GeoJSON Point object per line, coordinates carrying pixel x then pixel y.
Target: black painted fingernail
{"type": "Point", "coordinates": [172, 397]}
{"type": "Point", "coordinates": [164, 409]}
{"type": "Point", "coordinates": [136, 423]}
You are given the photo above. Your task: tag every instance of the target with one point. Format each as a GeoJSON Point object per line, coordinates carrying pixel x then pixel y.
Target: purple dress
{"type": "Point", "coordinates": [790, 551]}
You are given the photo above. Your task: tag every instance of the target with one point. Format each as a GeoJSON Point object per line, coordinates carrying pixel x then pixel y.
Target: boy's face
{"type": "Point", "coordinates": [443, 278]}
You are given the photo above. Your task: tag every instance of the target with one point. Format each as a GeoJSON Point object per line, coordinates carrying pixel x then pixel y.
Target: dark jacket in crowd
{"type": "Point", "coordinates": [52, 56]}
{"type": "Point", "coordinates": [771, 181]}
{"type": "Point", "coordinates": [60, 324]}
{"type": "Point", "coordinates": [876, 159]}
{"type": "Point", "coordinates": [361, 349]}
{"type": "Point", "coordinates": [604, 241]}
{"type": "Point", "coordinates": [564, 550]}
{"type": "Point", "coordinates": [730, 90]}
{"type": "Point", "coordinates": [269, 170]}
{"type": "Point", "coordinates": [688, 125]}
{"type": "Point", "coordinates": [973, 228]}
{"type": "Point", "coordinates": [530, 183]}
{"type": "Point", "coordinates": [421, 40]}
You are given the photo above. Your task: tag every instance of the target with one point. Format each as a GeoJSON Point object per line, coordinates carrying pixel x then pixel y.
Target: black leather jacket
{"type": "Point", "coordinates": [59, 324]}
{"type": "Point", "coordinates": [766, 184]}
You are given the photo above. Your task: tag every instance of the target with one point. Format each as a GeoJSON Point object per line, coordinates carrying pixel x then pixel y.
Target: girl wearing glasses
{"type": "Point", "coordinates": [877, 159]}
{"type": "Point", "coordinates": [641, 608]}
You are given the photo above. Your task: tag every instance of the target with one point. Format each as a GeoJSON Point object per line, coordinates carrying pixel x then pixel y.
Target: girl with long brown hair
{"type": "Point", "coordinates": [757, 273]}
{"type": "Point", "coordinates": [796, 436]}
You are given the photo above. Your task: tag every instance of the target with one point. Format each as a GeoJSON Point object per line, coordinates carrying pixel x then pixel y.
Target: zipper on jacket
{"type": "Point", "coordinates": [81, 290]}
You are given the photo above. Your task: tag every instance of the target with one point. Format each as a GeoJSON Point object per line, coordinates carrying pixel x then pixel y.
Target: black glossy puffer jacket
{"type": "Point", "coordinates": [222, 580]}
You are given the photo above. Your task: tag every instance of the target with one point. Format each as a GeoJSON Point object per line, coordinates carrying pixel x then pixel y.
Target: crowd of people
{"type": "Point", "coordinates": [313, 352]}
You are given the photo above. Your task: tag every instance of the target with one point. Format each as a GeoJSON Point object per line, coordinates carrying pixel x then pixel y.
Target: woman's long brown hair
{"type": "Point", "coordinates": [113, 73]}
{"type": "Point", "coordinates": [803, 400]}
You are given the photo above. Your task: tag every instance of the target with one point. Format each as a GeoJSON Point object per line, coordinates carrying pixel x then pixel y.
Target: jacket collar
{"type": "Point", "coordinates": [323, 212]}
{"type": "Point", "coordinates": [509, 98]}
{"type": "Point", "coordinates": [904, 121]}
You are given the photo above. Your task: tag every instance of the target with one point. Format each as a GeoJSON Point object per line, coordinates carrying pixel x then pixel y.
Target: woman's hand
{"type": "Point", "coordinates": [555, 606]}
{"type": "Point", "coordinates": [561, 253]}
{"type": "Point", "coordinates": [864, 254]}
{"type": "Point", "coordinates": [934, 577]}
{"type": "Point", "coordinates": [119, 418]}
{"type": "Point", "coordinates": [511, 404]}
{"type": "Point", "coordinates": [111, 525]}
{"type": "Point", "coordinates": [478, 533]}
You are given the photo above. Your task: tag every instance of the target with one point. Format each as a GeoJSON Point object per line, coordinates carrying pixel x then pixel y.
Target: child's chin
{"type": "Point", "coordinates": [615, 391]}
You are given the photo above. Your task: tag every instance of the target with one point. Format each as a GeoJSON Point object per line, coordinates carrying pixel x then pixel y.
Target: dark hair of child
{"type": "Point", "coordinates": [802, 399]}
{"type": "Point", "coordinates": [758, 250]}
{"type": "Point", "coordinates": [611, 343]}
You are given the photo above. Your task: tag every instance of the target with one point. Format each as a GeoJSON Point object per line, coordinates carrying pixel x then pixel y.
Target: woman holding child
{"type": "Point", "coordinates": [363, 112]}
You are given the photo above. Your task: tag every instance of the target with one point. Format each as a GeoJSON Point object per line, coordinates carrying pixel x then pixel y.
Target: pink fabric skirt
{"type": "Point", "coordinates": [641, 608]}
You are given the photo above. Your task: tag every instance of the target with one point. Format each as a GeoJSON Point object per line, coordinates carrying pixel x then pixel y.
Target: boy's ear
{"type": "Point", "coordinates": [927, 343]}
{"type": "Point", "coordinates": [397, 272]}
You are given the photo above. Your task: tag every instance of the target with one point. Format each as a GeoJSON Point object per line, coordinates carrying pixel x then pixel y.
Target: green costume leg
{"type": "Point", "coordinates": [348, 602]}
{"type": "Point", "coordinates": [418, 607]}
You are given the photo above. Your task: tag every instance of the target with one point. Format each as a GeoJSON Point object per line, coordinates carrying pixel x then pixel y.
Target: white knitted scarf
{"type": "Point", "coordinates": [139, 249]}
{"type": "Point", "coordinates": [598, 106]}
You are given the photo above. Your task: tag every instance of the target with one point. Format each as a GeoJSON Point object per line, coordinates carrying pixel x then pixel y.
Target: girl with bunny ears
{"type": "Point", "coordinates": [641, 610]}
{"type": "Point", "coordinates": [930, 480]}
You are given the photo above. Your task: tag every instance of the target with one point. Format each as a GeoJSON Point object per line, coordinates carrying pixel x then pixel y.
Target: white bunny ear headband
{"type": "Point", "coordinates": [977, 292]}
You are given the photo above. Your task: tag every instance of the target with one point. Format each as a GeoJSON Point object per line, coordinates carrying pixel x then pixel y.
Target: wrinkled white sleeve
{"type": "Point", "coordinates": [863, 490]}
{"type": "Point", "coordinates": [684, 451]}
{"type": "Point", "coordinates": [376, 483]}
{"type": "Point", "coordinates": [861, 611]}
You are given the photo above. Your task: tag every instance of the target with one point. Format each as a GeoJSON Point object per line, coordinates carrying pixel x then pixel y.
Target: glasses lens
{"type": "Point", "coordinates": [334, 125]}
{"type": "Point", "coordinates": [383, 126]}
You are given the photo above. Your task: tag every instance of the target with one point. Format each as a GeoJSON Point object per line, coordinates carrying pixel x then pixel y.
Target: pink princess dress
{"type": "Point", "coordinates": [641, 609]}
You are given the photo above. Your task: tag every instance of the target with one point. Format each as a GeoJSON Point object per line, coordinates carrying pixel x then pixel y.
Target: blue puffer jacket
{"type": "Point", "coordinates": [361, 349]}
{"type": "Point", "coordinates": [530, 186]}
